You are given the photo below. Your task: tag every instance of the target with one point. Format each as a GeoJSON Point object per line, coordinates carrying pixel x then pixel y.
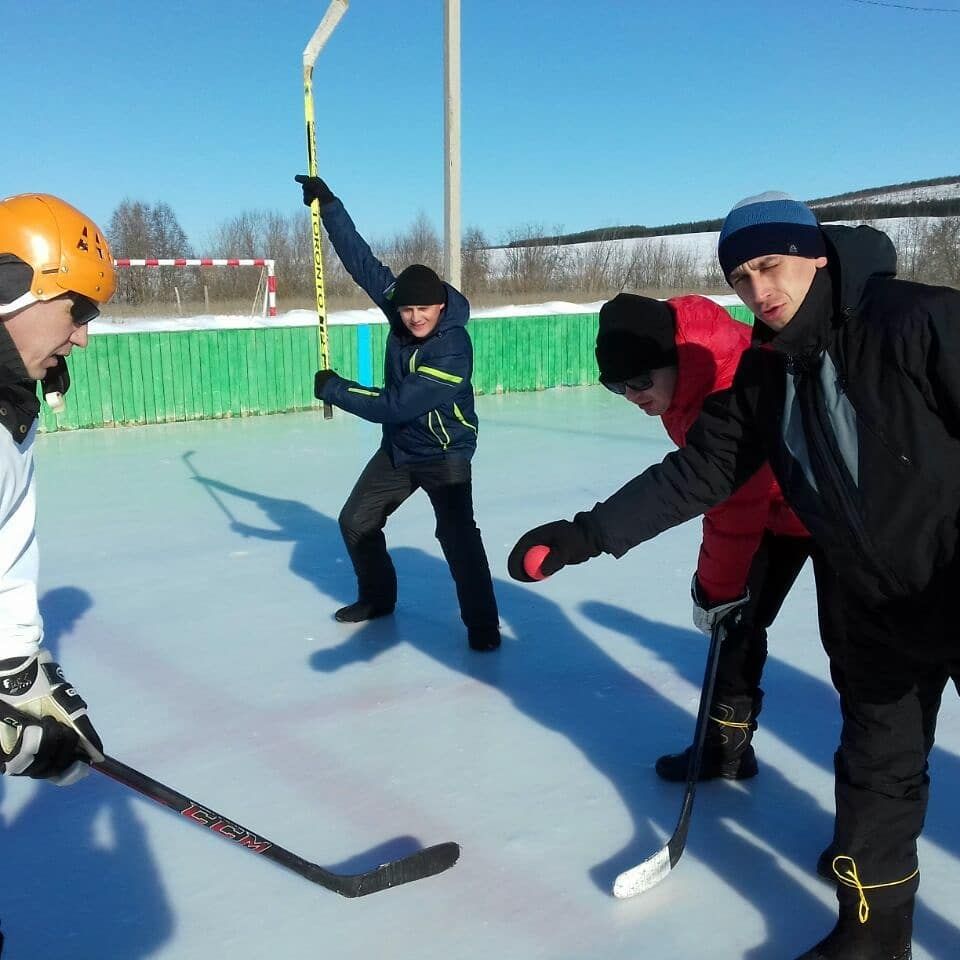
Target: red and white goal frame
{"type": "Point", "coordinates": [270, 300]}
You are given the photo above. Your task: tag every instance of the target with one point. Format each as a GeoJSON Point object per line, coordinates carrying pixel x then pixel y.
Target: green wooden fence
{"type": "Point", "coordinates": [138, 378]}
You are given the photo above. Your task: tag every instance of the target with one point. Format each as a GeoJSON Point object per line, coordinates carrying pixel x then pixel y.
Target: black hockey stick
{"type": "Point", "coordinates": [652, 870]}
{"type": "Point", "coordinates": [423, 863]}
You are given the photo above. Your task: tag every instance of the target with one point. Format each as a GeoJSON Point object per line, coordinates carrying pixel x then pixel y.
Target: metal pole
{"type": "Point", "coordinates": [451, 153]}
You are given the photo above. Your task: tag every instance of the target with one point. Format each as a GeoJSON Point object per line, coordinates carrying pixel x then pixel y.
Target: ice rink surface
{"type": "Point", "coordinates": [190, 598]}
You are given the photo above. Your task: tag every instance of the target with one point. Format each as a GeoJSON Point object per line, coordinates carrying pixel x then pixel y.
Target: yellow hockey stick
{"type": "Point", "coordinates": [330, 19]}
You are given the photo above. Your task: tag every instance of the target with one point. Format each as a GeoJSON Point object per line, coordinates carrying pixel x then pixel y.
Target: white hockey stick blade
{"type": "Point", "coordinates": [321, 35]}
{"type": "Point", "coordinates": [643, 876]}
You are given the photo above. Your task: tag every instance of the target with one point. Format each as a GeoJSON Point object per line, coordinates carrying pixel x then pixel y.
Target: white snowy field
{"type": "Point", "coordinates": [308, 318]}
{"type": "Point", "coordinates": [195, 616]}
{"type": "Point", "coordinates": [937, 191]}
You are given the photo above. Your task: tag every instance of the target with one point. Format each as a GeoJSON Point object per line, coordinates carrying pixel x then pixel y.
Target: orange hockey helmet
{"type": "Point", "coordinates": [50, 248]}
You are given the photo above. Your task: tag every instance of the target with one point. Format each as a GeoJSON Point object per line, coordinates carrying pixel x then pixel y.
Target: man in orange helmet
{"type": "Point", "coordinates": [55, 272]}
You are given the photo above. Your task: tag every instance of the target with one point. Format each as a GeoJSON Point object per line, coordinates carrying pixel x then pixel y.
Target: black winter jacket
{"type": "Point", "coordinates": [856, 404]}
{"type": "Point", "coordinates": [19, 404]}
{"type": "Point", "coordinates": [426, 404]}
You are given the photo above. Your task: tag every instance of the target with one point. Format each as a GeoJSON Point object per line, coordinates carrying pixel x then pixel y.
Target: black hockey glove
{"type": "Point", "coordinates": [314, 189]}
{"type": "Point", "coordinates": [44, 726]}
{"type": "Point", "coordinates": [568, 542]}
{"type": "Point", "coordinates": [320, 379]}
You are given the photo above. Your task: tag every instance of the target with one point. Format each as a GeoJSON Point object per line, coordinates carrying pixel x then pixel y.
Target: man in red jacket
{"type": "Point", "coordinates": [667, 358]}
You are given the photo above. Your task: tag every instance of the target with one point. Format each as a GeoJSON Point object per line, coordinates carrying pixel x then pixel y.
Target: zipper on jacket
{"type": "Point", "coordinates": [833, 473]}
{"type": "Point", "coordinates": [458, 413]}
{"type": "Point", "coordinates": [430, 415]}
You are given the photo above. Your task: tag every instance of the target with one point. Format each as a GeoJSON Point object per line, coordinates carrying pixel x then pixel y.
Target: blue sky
{"type": "Point", "coordinates": [575, 115]}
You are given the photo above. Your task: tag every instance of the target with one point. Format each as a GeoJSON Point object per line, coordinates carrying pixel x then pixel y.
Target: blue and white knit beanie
{"type": "Point", "coordinates": [769, 223]}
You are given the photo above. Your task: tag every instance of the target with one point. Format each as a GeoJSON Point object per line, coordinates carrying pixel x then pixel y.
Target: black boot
{"type": "Point", "coordinates": [362, 610]}
{"type": "Point", "coordinates": [885, 936]}
{"type": "Point", "coordinates": [727, 751]}
{"type": "Point", "coordinates": [483, 639]}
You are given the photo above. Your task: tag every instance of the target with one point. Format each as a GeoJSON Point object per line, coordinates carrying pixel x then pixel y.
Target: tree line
{"type": "Point", "coordinates": [928, 251]}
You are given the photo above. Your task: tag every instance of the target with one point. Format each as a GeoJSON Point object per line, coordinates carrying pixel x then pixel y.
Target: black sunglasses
{"type": "Point", "coordinates": [83, 309]}
{"type": "Point", "coordinates": [639, 383]}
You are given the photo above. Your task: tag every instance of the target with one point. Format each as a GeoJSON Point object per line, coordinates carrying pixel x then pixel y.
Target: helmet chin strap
{"type": "Point", "coordinates": [24, 300]}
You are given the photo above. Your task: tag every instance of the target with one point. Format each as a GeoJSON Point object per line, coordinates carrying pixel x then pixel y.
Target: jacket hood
{"type": "Point", "coordinates": [456, 313]}
{"type": "Point", "coordinates": [709, 345]}
{"type": "Point", "coordinates": [856, 255]}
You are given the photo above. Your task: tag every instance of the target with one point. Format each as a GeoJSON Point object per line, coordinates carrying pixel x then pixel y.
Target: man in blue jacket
{"type": "Point", "coordinates": [429, 428]}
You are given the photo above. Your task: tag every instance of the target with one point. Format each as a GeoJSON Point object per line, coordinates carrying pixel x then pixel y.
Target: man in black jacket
{"type": "Point", "coordinates": [851, 390]}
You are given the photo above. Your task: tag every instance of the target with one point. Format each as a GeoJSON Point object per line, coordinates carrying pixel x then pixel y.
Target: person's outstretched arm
{"type": "Point", "coordinates": [354, 252]}
{"type": "Point", "coordinates": [723, 451]}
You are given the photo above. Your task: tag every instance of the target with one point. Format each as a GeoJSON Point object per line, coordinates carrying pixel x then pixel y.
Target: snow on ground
{"type": "Point", "coordinates": [698, 250]}
{"type": "Point", "coordinates": [308, 318]}
{"type": "Point", "coordinates": [190, 599]}
{"type": "Point", "coordinates": [940, 191]}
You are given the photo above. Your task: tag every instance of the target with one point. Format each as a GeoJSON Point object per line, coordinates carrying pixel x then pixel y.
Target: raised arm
{"type": "Point", "coordinates": [354, 252]}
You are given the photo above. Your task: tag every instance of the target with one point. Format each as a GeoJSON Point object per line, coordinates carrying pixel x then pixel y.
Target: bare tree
{"type": "Point", "coordinates": [139, 230]}
{"type": "Point", "coordinates": [597, 268]}
{"type": "Point", "coordinates": [476, 262]}
{"type": "Point", "coordinates": [420, 243]}
{"type": "Point", "coordinates": [530, 269]}
{"type": "Point", "coordinates": [936, 255]}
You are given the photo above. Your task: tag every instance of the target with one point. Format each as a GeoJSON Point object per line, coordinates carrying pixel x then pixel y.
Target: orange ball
{"type": "Point", "coordinates": [533, 560]}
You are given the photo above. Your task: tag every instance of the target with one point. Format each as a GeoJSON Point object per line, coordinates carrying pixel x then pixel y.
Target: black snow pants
{"type": "Point", "coordinates": [890, 698]}
{"type": "Point", "coordinates": [379, 490]}
{"type": "Point", "coordinates": [776, 566]}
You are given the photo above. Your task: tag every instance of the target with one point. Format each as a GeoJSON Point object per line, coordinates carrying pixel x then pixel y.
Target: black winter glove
{"type": "Point", "coordinates": [568, 542]}
{"type": "Point", "coordinates": [314, 189]}
{"type": "Point", "coordinates": [44, 727]}
{"type": "Point", "coordinates": [320, 379]}
{"type": "Point", "coordinates": [39, 747]}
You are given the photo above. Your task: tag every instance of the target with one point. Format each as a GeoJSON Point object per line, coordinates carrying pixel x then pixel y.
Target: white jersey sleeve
{"type": "Point", "coordinates": [21, 627]}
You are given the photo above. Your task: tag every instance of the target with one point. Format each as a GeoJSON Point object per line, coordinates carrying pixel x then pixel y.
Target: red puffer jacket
{"type": "Point", "coordinates": [709, 345]}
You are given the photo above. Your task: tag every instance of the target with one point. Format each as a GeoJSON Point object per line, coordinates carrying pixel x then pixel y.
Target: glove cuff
{"type": "Point", "coordinates": [583, 521]}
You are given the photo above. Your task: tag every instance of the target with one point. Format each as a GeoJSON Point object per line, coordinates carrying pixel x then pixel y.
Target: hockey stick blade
{"type": "Point", "coordinates": [643, 876]}
{"type": "Point", "coordinates": [652, 870]}
{"type": "Point", "coordinates": [423, 863]}
{"type": "Point", "coordinates": [416, 866]}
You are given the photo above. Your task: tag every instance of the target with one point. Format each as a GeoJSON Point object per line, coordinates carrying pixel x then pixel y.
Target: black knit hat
{"type": "Point", "coordinates": [635, 335]}
{"type": "Point", "coordinates": [417, 286]}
